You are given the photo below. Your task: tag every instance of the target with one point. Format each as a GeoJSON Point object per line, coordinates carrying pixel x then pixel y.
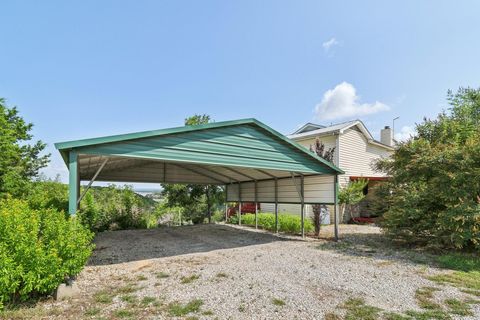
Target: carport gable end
{"type": "Point", "coordinates": [215, 153]}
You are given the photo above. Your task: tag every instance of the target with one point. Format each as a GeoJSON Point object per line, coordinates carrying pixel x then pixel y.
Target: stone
{"type": "Point", "coordinates": [65, 291]}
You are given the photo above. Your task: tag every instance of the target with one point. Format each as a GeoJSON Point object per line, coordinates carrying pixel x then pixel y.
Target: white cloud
{"type": "Point", "coordinates": [343, 102]}
{"type": "Point", "coordinates": [327, 45]}
{"type": "Point", "coordinates": [405, 133]}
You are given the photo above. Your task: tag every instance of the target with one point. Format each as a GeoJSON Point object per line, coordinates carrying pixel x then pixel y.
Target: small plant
{"type": "Point", "coordinates": [123, 313]}
{"type": "Point", "coordinates": [177, 309]}
{"type": "Point", "coordinates": [190, 279]}
{"type": "Point", "coordinates": [424, 298]}
{"type": "Point", "coordinates": [141, 278]}
{"type": "Point", "coordinates": [103, 296]}
{"type": "Point", "coordinates": [458, 307]}
{"type": "Point", "coordinates": [148, 300]}
{"type": "Point", "coordinates": [92, 312]}
{"type": "Point", "coordinates": [129, 288]}
{"type": "Point", "coordinates": [129, 298]}
{"type": "Point", "coordinates": [278, 302]}
{"type": "Point", "coordinates": [208, 313]}
{"type": "Point", "coordinates": [241, 308]}
{"type": "Point", "coordinates": [222, 275]}
{"type": "Point", "coordinates": [357, 309]}
{"type": "Point", "coordinates": [162, 275]}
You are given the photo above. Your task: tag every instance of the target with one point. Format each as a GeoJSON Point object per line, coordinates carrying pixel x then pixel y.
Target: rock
{"type": "Point", "coordinates": [66, 291]}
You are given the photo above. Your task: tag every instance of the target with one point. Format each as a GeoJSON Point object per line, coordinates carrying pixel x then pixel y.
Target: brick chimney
{"type": "Point", "coordinates": [386, 136]}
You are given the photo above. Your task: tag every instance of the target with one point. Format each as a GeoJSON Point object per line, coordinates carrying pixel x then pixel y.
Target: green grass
{"type": "Point", "coordinates": [189, 279]}
{"type": "Point", "coordinates": [129, 298]}
{"type": "Point", "coordinates": [208, 313]}
{"type": "Point", "coordinates": [358, 310]}
{"type": "Point", "coordinates": [123, 313]}
{"type": "Point", "coordinates": [278, 302]}
{"type": "Point", "coordinates": [459, 262]}
{"type": "Point", "coordinates": [103, 296]}
{"type": "Point", "coordinates": [162, 275]}
{"type": "Point", "coordinates": [129, 288]}
{"type": "Point", "coordinates": [148, 300]}
{"type": "Point", "coordinates": [221, 275]}
{"type": "Point", "coordinates": [458, 307]}
{"type": "Point", "coordinates": [141, 278]}
{"type": "Point", "coordinates": [177, 309]}
{"type": "Point", "coordinates": [429, 315]}
{"type": "Point", "coordinates": [289, 223]}
{"type": "Point", "coordinates": [92, 312]}
{"type": "Point", "coordinates": [424, 298]}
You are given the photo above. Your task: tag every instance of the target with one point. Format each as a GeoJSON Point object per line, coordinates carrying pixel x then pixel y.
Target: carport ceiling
{"type": "Point", "coordinates": [215, 153]}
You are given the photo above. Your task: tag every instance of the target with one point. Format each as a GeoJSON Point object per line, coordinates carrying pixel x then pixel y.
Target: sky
{"type": "Point", "coordinates": [93, 68]}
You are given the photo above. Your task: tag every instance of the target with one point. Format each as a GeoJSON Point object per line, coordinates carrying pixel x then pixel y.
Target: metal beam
{"type": "Point", "coordinates": [239, 173]}
{"type": "Point", "coordinates": [197, 172]}
{"type": "Point", "coordinates": [302, 209]}
{"type": "Point", "coordinates": [239, 204]}
{"type": "Point", "coordinates": [218, 173]}
{"type": "Point", "coordinates": [265, 173]}
{"type": "Point", "coordinates": [276, 205]}
{"type": "Point", "coordinates": [92, 180]}
{"type": "Point", "coordinates": [256, 206]}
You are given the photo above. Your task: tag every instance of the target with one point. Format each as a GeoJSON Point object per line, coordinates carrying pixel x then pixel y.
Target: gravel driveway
{"type": "Point", "coordinates": [240, 273]}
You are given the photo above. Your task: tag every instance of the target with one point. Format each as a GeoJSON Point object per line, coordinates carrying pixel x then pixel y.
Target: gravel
{"type": "Point", "coordinates": [241, 271]}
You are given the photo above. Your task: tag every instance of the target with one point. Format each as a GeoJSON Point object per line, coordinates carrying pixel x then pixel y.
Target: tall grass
{"type": "Point", "coordinates": [286, 222]}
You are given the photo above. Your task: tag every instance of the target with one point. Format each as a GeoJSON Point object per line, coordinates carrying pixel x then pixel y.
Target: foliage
{"type": "Point", "coordinates": [19, 160]}
{"type": "Point", "coordinates": [289, 223]}
{"type": "Point", "coordinates": [327, 154]}
{"type": "Point", "coordinates": [197, 200]}
{"type": "Point", "coordinates": [351, 194]}
{"type": "Point", "coordinates": [39, 249]}
{"type": "Point", "coordinates": [435, 184]}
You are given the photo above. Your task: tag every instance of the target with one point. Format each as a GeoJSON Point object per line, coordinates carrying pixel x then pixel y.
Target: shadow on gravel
{"type": "Point", "coordinates": [114, 247]}
{"type": "Point", "coordinates": [375, 245]}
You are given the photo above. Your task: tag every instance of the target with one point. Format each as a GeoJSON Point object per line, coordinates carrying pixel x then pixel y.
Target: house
{"type": "Point", "coordinates": [355, 151]}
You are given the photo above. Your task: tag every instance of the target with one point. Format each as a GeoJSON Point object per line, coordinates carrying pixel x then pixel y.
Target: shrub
{"type": "Point", "coordinates": [39, 249]}
{"type": "Point", "coordinates": [289, 223]}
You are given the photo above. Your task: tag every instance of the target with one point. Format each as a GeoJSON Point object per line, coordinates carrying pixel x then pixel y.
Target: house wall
{"type": "Point", "coordinates": [357, 156]}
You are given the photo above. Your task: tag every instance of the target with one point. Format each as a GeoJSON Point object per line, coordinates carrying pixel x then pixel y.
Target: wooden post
{"type": "Point", "coordinates": [73, 182]}
{"type": "Point", "coordinates": [276, 205]}
{"type": "Point", "coordinates": [335, 211]}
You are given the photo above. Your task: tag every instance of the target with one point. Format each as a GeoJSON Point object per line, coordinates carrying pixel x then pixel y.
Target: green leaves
{"type": "Point", "coordinates": [435, 178]}
{"type": "Point", "coordinates": [38, 250]}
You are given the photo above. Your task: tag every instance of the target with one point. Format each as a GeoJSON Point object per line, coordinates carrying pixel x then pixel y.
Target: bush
{"type": "Point", "coordinates": [289, 223]}
{"type": "Point", "coordinates": [39, 249]}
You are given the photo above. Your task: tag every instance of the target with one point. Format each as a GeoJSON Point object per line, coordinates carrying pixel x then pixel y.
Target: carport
{"type": "Point", "coordinates": [254, 162]}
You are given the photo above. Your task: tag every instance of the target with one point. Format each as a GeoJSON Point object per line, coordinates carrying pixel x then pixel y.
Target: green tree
{"type": "Point", "coordinates": [434, 193]}
{"type": "Point", "coordinates": [20, 160]}
{"type": "Point", "coordinates": [197, 201]}
{"type": "Point", "coordinates": [350, 195]}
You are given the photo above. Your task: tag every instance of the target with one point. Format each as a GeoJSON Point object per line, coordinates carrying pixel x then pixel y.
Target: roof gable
{"type": "Point", "coordinates": [242, 143]}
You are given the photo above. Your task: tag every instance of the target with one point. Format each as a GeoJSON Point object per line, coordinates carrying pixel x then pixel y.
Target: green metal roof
{"type": "Point", "coordinates": [245, 143]}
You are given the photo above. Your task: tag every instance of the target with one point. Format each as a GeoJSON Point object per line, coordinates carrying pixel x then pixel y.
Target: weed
{"type": "Point", "coordinates": [103, 296]}
{"type": "Point", "coordinates": [424, 298]}
{"type": "Point", "coordinates": [207, 313]}
{"type": "Point", "coordinates": [222, 275]}
{"type": "Point", "coordinates": [92, 312]}
{"type": "Point", "coordinates": [129, 288]}
{"type": "Point", "coordinates": [141, 278]}
{"type": "Point", "coordinates": [148, 300]}
{"type": "Point", "coordinates": [123, 313]}
{"type": "Point", "coordinates": [162, 275]}
{"type": "Point", "coordinates": [332, 316]}
{"type": "Point", "coordinates": [177, 309]}
{"type": "Point", "coordinates": [357, 309]}
{"type": "Point", "coordinates": [241, 308]}
{"type": "Point", "coordinates": [129, 298]}
{"type": "Point", "coordinates": [461, 308]}
{"type": "Point", "coordinates": [190, 279]}
{"type": "Point", "coordinates": [278, 302]}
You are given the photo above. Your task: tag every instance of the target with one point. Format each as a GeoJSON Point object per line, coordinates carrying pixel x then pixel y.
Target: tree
{"type": "Point", "coordinates": [434, 196]}
{"type": "Point", "coordinates": [327, 154]}
{"type": "Point", "coordinates": [197, 201]}
{"type": "Point", "coordinates": [351, 195]}
{"type": "Point", "coordinates": [20, 159]}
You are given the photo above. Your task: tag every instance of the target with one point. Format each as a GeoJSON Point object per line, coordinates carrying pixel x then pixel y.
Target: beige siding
{"type": "Point", "coordinates": [330, 141]}
{"type": "Point", "coordinates": [357, 155]}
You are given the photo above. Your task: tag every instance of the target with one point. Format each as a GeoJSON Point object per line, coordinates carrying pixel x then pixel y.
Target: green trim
{"type": "Point", "coordinates": [73, 185]}
{"type": "Point", "coordinates": [65, 147]}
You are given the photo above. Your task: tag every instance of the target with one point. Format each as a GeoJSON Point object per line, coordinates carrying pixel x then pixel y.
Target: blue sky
{"type": "Point", "coordinates": [93, 68]}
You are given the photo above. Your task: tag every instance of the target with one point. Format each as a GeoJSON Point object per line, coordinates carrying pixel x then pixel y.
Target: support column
{"type": "Point", "coordinates": [302, 209]}
{"type": "Point", "coordinates": [226, 203]}
{"type": "Point", "coordinates": [239, 204]}
{"type": "Point", "coordinates": [73, 182]}
{"type": "Point", "coordinates": [256, 206]}
{"type": "Point", "coordinates": [335, 205]}
{"type": "Point", "coordinates": [276, 205]}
